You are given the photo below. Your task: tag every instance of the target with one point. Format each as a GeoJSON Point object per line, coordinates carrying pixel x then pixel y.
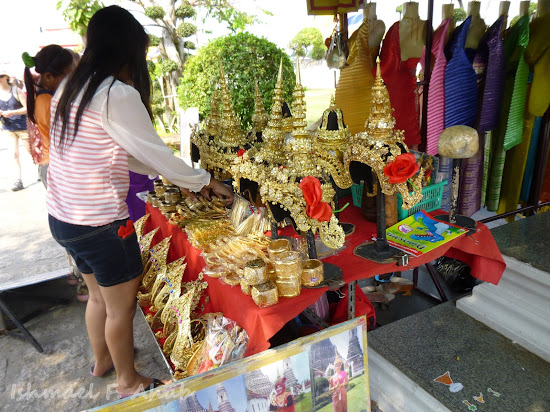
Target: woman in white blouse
{"type": "Point", "coordinates": [102, 129]}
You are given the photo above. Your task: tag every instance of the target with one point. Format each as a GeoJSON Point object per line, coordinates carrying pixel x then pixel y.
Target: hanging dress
{"type": "Point", "coordinates": [354, 89]}
{"type": "Point", "coordinates": [400, 79]}
{"type": "Point", "coordinates": [435, 117]}
{"type": "Point", "coordinates": [460, 100]}
{"type": "Point", "coordinates": [510, 129]}
{"type": "Point", "coordinates": [537, 56]}
{"type": "Point", "coordinates": [490, 67]}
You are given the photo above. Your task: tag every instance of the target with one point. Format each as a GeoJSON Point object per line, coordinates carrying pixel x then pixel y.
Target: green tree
{"type": "Point", "coordinates": [244, 58]}
{"type": "Point", "coordinates": [459, 15]}
{"type": "Point", "coordinates": [399, 9]}
{"type": "Point", "coordinates": [77, 13]}
{"type": "Point", "coordinates": [175, 18]}
{"type": "Point", "coordinates": [306, 38]}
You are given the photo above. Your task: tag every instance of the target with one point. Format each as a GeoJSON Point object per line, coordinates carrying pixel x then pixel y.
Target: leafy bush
{"type": "Point", "coordinates": [186, 29]}
{"type": "Point", "coordinates": [154, 12]}
{"type": "Point", "coordinates": [154, 40]}
{"type": "Point", "coordinates": [169, 66]}
{"type": "Point", "coordinates": [244, 57]}
{"type": "Point", "coordinates": [189, 45]}
{"type": "Point", "coordinates": [185, 11]}
{"type": "Point", "coordinates": [299, 397]}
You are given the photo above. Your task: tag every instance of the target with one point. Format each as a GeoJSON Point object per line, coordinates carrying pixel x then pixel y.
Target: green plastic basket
{"type": "Point", "coordinates": [431, 200]}
{"type": "Point", "coordinates": [357, 194]}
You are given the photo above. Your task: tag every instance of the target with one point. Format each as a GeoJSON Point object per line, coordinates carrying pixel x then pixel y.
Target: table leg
{"type": "Point", "coordinates": [435, 279]}
{"type": "Point", "coordinates": [415, 277]}
{"type": "Point", "coordinates": [4, 308]}
{"type": "Point", "coordinates": [351, 299]}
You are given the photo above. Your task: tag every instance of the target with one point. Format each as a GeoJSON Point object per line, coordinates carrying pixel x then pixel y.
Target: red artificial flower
{"type": "Point", "coordinates": [313, 194]}
{"type": "Point", "coordinates": [241, 152]}
{"type": "Point", "coordinates": [125, 231]}
{"type": "Point", "coordinates": [402, 168]}
{"type": "Point", "coordinates": [321, 211]}
{"type": "Point", "coordinates": [311, 189]}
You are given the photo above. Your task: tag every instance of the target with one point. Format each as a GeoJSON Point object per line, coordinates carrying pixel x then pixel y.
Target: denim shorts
{"type": "Point", "coordinates": [100, 250]}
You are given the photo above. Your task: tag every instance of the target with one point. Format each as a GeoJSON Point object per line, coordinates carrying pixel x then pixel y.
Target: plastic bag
{"type": "Point", "coordinates": [224, 342]}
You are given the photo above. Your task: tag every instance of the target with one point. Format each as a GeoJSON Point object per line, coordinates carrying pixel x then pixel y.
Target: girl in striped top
{"type": "Point", "coordinates": [101, 129]}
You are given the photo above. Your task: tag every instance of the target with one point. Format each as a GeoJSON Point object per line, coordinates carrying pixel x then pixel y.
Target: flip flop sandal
{"type": "Point", "coordinates": [112, 368]}
{"type": "Point", "coordinates": [155, 384]}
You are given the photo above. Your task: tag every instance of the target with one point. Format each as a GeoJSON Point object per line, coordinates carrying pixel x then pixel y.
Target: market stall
{"type": "Point", "coordinates": [479, 250]}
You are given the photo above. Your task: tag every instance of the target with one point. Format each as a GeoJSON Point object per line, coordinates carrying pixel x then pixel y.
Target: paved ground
{"type": "Point", "coordinates": [26, 248]}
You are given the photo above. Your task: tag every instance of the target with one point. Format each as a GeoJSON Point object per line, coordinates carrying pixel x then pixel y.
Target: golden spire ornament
{"type": "Point", "coordinates": [380, 144]}
{"type": "Point", "coordinates": [156, 263]}
{"type": "Point", "coordinates": [145, 245]}
{"type": "Point", "coordinates": [333, 135]}
{"type": "Point", "coordinates": [139, 225]}
{"type": "Point", "coordinates": [260, 117]}
{"type": "Point", "coordinates": [274, 136]}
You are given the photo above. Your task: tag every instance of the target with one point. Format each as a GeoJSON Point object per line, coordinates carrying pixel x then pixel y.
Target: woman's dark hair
{"type": "Point", "coordinates": [52, 59]}
{"type": "Point", "coordinates": [115, 41]}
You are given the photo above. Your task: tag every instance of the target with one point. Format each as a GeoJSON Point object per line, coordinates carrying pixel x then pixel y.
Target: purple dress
{"type": "Point", "coordinates": [138, 183]}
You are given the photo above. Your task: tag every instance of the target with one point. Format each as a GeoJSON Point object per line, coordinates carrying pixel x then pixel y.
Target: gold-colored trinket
{"type": "Point", "coordinates": [255, 272]}
{"type": "Point", "coordinates": [232, 279]}
{"type": "Point", "coordinates": [277, 246]}
{"type": "Point", "coordinates": [172, 195]}
{"type": "Point", "coordinates": [216, 270]}
{"type": "Point", "coordinates": [312, 272]}
{"type": "Point", "coordinates": [265, 295]}
{"type": "Point", "coordinates": [288, 265]}
{"type": "Point", "coordinates": [288, 287]}
{"type": "Point", "coordinates": [245, 287]}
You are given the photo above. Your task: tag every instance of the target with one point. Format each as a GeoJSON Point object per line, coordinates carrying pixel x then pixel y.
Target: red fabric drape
{"type": "Point", "coordinates": [478, 250]}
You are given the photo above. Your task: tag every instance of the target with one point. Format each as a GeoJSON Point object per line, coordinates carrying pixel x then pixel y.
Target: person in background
{"type": "Point", "coordinates": [14, 121]}
{"type": "Point", "coordinates": [51, 65]}
{"type": "Point", "coordinates": [101, 129]}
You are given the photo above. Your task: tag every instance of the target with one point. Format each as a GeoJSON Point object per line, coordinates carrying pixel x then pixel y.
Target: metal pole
{"type": "Point", "coordinates": [381, 244]}
{"type": "Point", "coordinates": [455, 183]}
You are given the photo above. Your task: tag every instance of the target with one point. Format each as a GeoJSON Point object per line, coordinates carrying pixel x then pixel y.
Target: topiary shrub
{"type": "Point", "coordinates": [185, 11]}
{"type": "Point", "coordinates": [189, 45]}
{"type": "Point", "coordinates": [244, 57]}
{"type": "Point", "coordinates": [186, 29]}
{"type": "Point", "coordinates": [154, 12]}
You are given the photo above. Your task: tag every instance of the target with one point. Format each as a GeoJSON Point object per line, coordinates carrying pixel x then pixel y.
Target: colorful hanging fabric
{"type": "Point", "coordinates": [514, 128]}
{"type": "Point", "coordinates": [531, 156]}
{"type": "Point", "coordinates": [491, 54]}
{"type": "Point", "coordinates": [489, 64]}
{"type": "Point", "coordinates": [486, 163]}
{"type": "Point", "coordinates": [514, 48]}
{"type": "Point", "coordinates": [460, 97]}
{"type": "Point", "coordinates": [436, 96]}
{"type": "Point", "coordinates": [400, 79]}
{"type": "Point", "coordinates": [354, 89]}
{"type": "Point", "coordinates": [537, 56]}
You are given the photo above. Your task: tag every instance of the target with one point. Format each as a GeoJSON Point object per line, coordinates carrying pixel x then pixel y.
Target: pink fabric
{"type": "Point", "coordinates": [436, 93]}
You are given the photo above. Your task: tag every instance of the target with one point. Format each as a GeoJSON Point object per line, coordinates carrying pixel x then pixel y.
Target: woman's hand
{"type": "Point", "coordinates": [224, 192]}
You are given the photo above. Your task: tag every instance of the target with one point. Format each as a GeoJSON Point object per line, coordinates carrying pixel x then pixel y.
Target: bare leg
{"type": "Point", "coordinates": [120, 302]}
{"type": "Point", "coordinates": [96, 316]}
{"type": "Point", "coordinates": [15, 140]}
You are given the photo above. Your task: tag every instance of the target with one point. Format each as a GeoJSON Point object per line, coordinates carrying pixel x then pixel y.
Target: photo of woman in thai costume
{"type": "Point", "coordinates": [281, 400]}
{"type": "Point", "coordinates": [337, 383]}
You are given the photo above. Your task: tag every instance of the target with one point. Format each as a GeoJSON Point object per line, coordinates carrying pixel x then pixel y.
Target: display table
{"type": "Point", "coordinates": [478, 250]}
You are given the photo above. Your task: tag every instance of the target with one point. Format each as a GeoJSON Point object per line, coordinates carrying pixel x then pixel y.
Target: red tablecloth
{"type": "Point", "coordinates": [478, 250]}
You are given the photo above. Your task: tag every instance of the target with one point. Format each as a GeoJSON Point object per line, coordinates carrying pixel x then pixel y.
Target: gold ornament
{"type": "Point", "coordinates": [139, 226]}
{"type": "Point", "coordinates": [145, 245]}
{"type": "Point", "coordinates": [156, 263]}
{"type": "Point", "coordinates": [380, 144]}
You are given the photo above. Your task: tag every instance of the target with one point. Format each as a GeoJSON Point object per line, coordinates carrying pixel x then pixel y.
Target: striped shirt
{"type": "Point", "coordinates": [88, 181]}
